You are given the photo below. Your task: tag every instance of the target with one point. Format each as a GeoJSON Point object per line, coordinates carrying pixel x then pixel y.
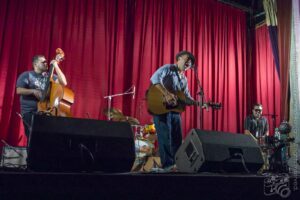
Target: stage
{"type": "Point", "coordinates": [88, 146]}
{"type": "Point", "coordinates": [137, 185]}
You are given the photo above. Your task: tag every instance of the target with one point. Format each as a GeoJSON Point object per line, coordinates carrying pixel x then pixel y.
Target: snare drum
{"type": "Point", "coordinates": [143, 148]}
{"type": "Point", "coordinates": [142, 161]}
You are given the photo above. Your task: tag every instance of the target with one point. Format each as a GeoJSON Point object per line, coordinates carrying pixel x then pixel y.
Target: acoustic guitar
{"type": "Point", "coordinates": [157, 105]}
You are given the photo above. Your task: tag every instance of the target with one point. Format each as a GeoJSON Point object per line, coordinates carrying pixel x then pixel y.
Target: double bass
{"type": "Point", "coordinates": [56, 99]}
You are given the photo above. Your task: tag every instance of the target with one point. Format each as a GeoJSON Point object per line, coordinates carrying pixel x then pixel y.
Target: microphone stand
{"type": "Point", "coordinates": [109, 98]}
{"type": "Point", "coordinates": [202, 98]}
{"type": "Point", "coordinates": [273, 117]}
{"type": "Point", "coordinates": [201, 94]}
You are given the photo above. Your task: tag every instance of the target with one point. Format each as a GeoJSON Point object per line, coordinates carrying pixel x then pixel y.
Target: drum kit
{"type": "Point", "coordinates": [145, 137]}
{"type": "Point", "coordinates": [275, 151]}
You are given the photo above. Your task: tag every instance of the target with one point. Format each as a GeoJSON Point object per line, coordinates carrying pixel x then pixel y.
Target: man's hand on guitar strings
{"type": "Point", "coordinates": [37, 94]}
{"type": "Point", "coordinates": [205, 105]}
{"type": "Point", "coordinates": [170, 98]}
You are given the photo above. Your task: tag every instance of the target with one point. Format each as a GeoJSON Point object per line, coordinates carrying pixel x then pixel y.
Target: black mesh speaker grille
{"type": "Point", "coordinates": [73, 144]}
{"type": "Point", "coordinates": [221, 151]}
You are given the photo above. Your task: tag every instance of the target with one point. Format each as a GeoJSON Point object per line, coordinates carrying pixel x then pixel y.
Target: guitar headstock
{"type": "Point", "coordinates": [60, 55]}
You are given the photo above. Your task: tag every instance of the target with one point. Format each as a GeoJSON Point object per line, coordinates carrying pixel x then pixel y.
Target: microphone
{"type": "Point", "coordinates": [133, 96]}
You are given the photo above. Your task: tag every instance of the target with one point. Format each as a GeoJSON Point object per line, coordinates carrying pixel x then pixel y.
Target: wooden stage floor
{"type": "Point", "coordinates": [207, 186]}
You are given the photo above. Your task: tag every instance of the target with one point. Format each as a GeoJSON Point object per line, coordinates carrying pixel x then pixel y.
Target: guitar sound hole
{"type": "Point", "coordinates": [170, 106]}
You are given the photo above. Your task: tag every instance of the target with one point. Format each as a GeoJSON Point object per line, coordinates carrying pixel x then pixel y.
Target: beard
{"type": "Point", "coordinates": [44, 68]}
{"type": "Point", "coordinates": [257, 116]}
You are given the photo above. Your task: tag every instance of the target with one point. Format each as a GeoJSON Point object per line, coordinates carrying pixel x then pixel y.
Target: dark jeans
{"type": "Point", "coordinates": [27, 118]}
{"type": "Point", "coordinates": [169, 134]}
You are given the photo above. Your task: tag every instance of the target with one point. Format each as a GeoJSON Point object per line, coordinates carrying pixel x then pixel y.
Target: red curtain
{"type": "Point", "coordinates": [111, 45]}
{"type": "Point", "coordinates": [266, 79]}
{"type": "Point", "coordinates": [284, 37]}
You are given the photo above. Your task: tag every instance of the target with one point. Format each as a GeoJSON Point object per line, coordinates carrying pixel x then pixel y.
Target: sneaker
{"type": "Point", "coordinates": [171, 168]}
{"type": "Point", "coordinates": [157, 170]}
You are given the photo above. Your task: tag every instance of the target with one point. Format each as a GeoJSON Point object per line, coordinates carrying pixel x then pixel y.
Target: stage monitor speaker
{"type": "Point", "coordinates": [210, 151]}
{"type": "Point", "coordinates": [73, 144]}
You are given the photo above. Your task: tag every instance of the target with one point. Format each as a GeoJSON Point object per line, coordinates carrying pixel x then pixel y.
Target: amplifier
{"type": "Point", "coordinates": [14, 157]}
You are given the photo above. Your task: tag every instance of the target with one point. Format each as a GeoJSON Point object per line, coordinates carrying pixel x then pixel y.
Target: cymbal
{"type": "Point", "coordinates": [117, 115]}
{"type": "Point", "coordinates": [133, 121]}
{"type": "Point", "coordinates": [130, 120]}
{"type": "Point", "coordinates": [112, 112]}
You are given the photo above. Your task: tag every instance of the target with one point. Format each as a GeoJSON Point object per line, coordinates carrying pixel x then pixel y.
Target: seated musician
{"type": "Point", "coordinates": [30, 85]}
{"type": "Point", "coordinates": [255, 124]}
{"type": "Point", "coordinates": [170, 79]}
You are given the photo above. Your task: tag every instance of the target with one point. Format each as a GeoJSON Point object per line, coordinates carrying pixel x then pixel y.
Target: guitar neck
{"type": "Point", "coordinates": [46, 89]}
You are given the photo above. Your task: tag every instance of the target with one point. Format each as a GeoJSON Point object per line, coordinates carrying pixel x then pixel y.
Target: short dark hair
{"type": "Point", "coordinates": [257, 104]}
{"type": "Point", "coordinates": [191, 56]}
{"type": "Point", "coordinates": [36, 58]}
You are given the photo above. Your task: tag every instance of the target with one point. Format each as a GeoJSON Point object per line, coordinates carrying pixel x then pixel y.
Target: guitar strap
{"type": "Point", "coordinates": [179, 79]}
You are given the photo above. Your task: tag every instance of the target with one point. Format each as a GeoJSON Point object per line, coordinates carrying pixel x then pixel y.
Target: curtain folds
{"type": "Point", "coordinates": [112, 45]}
{"type": "Point", "coordinates": [266, 78]}
{"type": "Point", "coordinates": [284, 39]}
{"type": "Point", "coordinates": [271, 20]}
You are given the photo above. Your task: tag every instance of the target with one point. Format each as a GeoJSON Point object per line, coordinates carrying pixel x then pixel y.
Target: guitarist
{"type": "Point", "coordinates": [30, 85]}
{"type": "Point", "coordinates": [169, 79]}
{"type": "Point", "coordinates": [256, 125]}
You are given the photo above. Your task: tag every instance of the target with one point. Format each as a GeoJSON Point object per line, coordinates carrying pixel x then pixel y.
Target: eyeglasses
{"type": "Point", "coordinates": [257, 110]}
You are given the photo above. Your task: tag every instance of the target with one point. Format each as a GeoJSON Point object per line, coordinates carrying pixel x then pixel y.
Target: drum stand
{"type": "Point", "coordinates": [278, 161]}
{"type": "Point", "coordinates": [277, 156]}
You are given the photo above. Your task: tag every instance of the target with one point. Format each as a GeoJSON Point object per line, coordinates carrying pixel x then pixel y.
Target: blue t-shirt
{"type": "Point", "coordinates": [31, 80]}
{"type": "Point", "coordinates": [168, 76]}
